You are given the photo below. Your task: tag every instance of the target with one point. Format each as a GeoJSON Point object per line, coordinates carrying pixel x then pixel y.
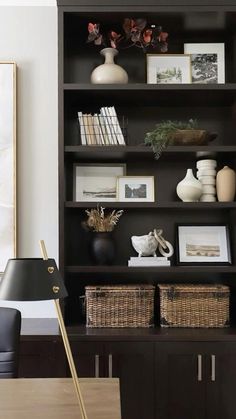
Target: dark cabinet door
{"type": "Point", "coordinates": [42, 359]}
{"type": "Point", "coordinates": [221, 381]}
{"type": "Point", "coordinates": [180, 388]}
{"type": "Point", "coordinates": [132, 362]}
{"type": "Point", "coordinates": [88, 358]}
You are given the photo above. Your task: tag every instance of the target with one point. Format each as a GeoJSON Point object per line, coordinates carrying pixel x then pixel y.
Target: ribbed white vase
{"type": "Point", "coordinates": [109, 72]}
{"type": "Point", "coordinates": [189, 189]}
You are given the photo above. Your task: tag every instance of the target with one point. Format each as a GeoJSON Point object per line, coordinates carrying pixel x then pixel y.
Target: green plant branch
{"type": "Point", "coordinates": [162, 135]}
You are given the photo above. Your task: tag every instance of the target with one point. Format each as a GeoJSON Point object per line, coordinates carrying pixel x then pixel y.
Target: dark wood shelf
{"type": "Point", "coordinates": [161, 269]}
{"type": "Point", "coordinates": [163, 5]}
{"type": "Point", "coordinates": [45, 329]}
{"type": "Point", "coordinates": [156, 205]}
{"type": "Point", "coordinates": [227, 87]}
{"type": "Point", "coordinates": [93, 153]}
{"type": "Point", "coordinates": [127, 94]}
{"type": "Point", "coordinates": [152, 334]}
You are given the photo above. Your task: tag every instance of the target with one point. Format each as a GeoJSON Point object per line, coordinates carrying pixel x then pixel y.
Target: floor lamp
{"type": "Point", "coordinates": [35, 280]}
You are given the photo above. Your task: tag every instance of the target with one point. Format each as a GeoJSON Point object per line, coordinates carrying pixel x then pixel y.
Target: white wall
{"type": "Point", "coordinates": [28, 36]}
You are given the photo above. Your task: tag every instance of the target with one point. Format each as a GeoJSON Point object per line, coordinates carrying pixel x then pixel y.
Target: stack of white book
{"type": "Point", "coordinates": [149, 261]}
{"type": "Point", "coordinates": [101, 128]}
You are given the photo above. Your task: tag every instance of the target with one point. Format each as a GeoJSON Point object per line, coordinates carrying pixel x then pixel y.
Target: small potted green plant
{"type": "Point", "coordinates": [175, 132]}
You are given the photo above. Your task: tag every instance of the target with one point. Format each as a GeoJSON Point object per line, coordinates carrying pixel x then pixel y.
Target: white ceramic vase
{"type": "Point", "coordinates": [225, 184]}
{"type": "Point", "coordinates": [189, 189]}
{"type": "Point", "coordinates": [109, 72]}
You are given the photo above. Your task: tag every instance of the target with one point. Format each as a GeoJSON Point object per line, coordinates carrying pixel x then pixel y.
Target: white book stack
{"type": "Point", "coordinates": [100, 129]}
{"type": "Point", "coordinates": [116, 125]}
{"type": "Point", "coordinates": [82, 129]}
{"type": "Point", "coordinates": [110, 133]}
{"type": "Point", "coordinates": [150, 261]}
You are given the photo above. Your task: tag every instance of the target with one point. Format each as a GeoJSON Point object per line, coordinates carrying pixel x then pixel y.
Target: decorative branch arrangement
{"type": "Point", "coordinates": [134, 32]}
{"type": "Point", "coordinates": [99, 222]}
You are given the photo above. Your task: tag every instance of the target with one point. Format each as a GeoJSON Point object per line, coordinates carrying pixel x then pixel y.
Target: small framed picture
{"type": "Point", "coordinates": [97, 182]}
{"type": "Point", "coordinates": [198, 244]}
{"type": "Point", "coordinates": [207, 62]}
{"type": "Point", "coordinates": [168, 68]}
{"type": "Point", "coordinates": [135, 188]}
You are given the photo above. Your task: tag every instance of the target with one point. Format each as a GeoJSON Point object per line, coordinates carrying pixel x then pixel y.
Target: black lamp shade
{"type": "Point", "coordinates": [31, 280]}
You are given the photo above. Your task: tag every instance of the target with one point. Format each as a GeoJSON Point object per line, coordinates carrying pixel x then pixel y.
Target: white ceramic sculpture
{"type": "Point", "coordinates": [206, 173]}
{"type": "Point", "coordinates": [147, 245]}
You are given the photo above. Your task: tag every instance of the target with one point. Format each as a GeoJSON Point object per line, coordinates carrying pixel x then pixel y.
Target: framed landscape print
{"type": "Point", "coordinates": [97, 182]}
{"type": "Point", "coordinates": [198, 244]}
{"type": "Point", "coordinates": [7, 162]}
{"type": "Point", "coordinates": [168, 68]}
{"type": "Point", "coordinates": [135, 188]}
{"type": "Point", "coordinates": [207, 62]}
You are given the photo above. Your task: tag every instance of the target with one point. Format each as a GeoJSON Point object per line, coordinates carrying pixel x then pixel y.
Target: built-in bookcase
{"type": "Point", "coordinates": [164, 373]}
{"type": "Point", "coordinates": [143, 105]}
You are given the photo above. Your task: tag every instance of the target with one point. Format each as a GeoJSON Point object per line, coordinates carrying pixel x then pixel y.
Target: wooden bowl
{"type": "Point", "coordinates": [192, 137]}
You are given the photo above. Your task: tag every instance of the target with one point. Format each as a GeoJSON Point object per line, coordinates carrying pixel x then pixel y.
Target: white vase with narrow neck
{"type": "Point", "coordinates": [109, 72]}
{"type": "Point", "coordinates": [190, 188]}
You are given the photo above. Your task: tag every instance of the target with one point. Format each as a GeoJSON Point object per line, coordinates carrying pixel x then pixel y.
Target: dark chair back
{"type": "Point", "coordinates": [10, 325]}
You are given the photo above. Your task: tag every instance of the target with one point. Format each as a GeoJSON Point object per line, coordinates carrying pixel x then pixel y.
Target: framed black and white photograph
{"type": "Point", "coordinates": [97, 182]}
{"type": "Point", "coordinates": [168, 68]}
{"type": "Point", "coordinates": [135, 188]}
{"type": "Point", "coordinates": [207, 62]}
{"type": "Point", "coordinates": [197, 244]}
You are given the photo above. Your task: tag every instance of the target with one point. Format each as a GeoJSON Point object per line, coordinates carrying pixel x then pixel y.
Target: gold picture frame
{"type": "Point", "coordinates": [169, 68]}
{"type": "Point", "coordinates": [8, 207]}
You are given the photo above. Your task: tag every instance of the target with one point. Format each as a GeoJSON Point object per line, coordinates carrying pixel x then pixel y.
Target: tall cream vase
{"type": "Point", "coordinates": [109, 72]}
{"type": "Point", "coordinates": [226, 184]}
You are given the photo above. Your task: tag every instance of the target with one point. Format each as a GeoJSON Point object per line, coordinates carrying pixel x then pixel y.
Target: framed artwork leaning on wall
{"type": "Point", "coordinates": [136, 188]}
{"type": "Point", "coordinates": [168, 68]}
{"type": "Point", "coordinates": [97, 182]}
{"type": "Point", "coordinates": [7, 162]}
{"type": "Point", "coordinates": [207, 62]}
{"type": "Point", "coordinates": [203, 244]}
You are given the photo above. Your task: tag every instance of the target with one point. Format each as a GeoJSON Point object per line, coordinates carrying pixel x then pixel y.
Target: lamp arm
{"type": "Point", "coordinates": [70, 359]}
{"type": "Point", "coordinates": [66, 344]}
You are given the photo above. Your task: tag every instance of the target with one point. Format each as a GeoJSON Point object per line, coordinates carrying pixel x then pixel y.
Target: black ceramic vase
{"type": "Point", "coordinates": [102, 248]}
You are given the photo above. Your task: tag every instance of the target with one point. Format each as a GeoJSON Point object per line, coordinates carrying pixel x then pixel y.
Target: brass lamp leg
{"type": "Point", "coordinates": [67, 345]}
{"type": "Point", "coordinates": [70, 359]}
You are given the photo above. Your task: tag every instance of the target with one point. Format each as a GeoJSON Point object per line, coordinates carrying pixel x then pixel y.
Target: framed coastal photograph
{"type": "Point", "coordinates": [207, 62]}
{"type": "Point", "coordinates": [135, 188]}
{"type": "Point", "coordinates": [198, 244]}
{"type": "Point", "coordinates": [97, 182]}
{"type": "Point", "coordinates": [168, 68]}
{"type": "Point", "coordinates": [7, 162]}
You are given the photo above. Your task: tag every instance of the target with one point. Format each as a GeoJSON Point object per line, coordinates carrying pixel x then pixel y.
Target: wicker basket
{"type": "Point", "coordinates": [194, 305]}
{"type": "Point", "coordinates": [119, 306]}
